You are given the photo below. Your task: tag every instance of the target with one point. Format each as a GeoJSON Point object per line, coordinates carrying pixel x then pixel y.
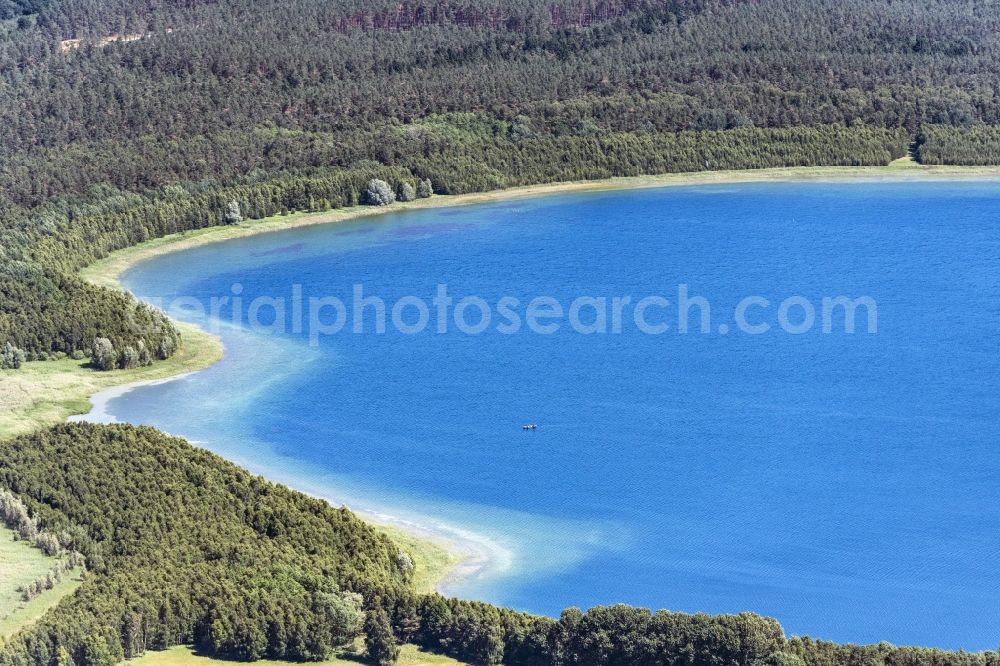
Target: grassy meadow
{"type": "Point", "coordinates": [44, 393]}
{"type": "Point", "coordinates": [184, 656]}
{"type": "Point", "coordinates": [22, 564]}
{"type": "Point", "coordinates": [434, 563]}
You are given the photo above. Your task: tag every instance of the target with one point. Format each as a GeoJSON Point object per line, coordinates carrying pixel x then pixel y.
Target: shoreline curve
{"type": "Point", "coordinates": [470, 553]}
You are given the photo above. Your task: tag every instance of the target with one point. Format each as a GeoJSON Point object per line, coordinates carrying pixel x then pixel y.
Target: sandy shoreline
{"type": "Point", "coordinates": [99, 401]}
{"type": "Point", "coordinates": [472, 554]}
{"type": "Point", "coordinates": [107, 271]}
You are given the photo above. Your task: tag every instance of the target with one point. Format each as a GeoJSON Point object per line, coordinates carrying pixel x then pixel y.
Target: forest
{"type": "Point", "coordinates": [121, 121]}
{"type": "Point", "coordinates": [182, 547]}
{"type": "Point", "coordinates": [127, 120]}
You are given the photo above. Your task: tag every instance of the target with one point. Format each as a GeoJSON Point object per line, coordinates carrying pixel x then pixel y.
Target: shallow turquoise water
{"type": "Point", "coordinates": [844, 484]}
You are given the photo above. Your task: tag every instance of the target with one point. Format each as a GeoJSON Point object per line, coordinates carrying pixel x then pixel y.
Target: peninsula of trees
{"type": "Point", "coordinates": [184, 547]}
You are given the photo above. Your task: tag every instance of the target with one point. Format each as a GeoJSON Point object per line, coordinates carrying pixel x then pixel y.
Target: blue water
{"type": "Point", "coordinates": [846, 484]}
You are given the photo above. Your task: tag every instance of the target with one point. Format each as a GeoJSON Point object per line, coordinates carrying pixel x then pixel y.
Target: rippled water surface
{"type": "Point", "coordinates": [845, 484]}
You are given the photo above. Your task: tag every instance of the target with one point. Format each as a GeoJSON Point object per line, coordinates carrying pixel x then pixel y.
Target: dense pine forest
{"type": "Point", "coordinates": [126, 120]}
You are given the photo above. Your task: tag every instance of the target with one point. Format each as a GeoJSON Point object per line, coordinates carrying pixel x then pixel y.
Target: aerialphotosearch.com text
{"type": "Point", "coordinates": [682, 313]}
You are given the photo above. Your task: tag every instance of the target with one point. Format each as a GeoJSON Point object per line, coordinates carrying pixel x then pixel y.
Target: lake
{"type": "Point", "coordinates": [844, 483]}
